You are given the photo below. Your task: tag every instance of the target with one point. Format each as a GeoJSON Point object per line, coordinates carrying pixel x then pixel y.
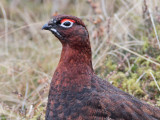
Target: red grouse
{"type": "Point", "coordinates": [76, 92]}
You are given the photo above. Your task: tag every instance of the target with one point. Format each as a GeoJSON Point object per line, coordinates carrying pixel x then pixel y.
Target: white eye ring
{"type": "Point", "coordinates": [67, 24]}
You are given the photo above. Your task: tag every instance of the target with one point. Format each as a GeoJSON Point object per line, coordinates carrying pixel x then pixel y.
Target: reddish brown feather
{"type": "Point", "coordinates": [76, 93]}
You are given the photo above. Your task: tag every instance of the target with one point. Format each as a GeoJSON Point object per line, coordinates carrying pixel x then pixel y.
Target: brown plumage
{"type": "Point", "coordinates": [76, 93]}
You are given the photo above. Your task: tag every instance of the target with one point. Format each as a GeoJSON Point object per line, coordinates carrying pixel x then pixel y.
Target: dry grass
{"type": "Point", "coordinates": [125, 44]}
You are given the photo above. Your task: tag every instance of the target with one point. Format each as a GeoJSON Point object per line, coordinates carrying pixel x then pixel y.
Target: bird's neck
{"type": "Point", "coordinates": [74, 70]}
{"type": "Point", "coordinates": [75, 56]}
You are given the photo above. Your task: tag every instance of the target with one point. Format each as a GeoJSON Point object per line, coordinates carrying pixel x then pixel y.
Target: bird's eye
{"type": "Point", "coordinates": [67, 23]}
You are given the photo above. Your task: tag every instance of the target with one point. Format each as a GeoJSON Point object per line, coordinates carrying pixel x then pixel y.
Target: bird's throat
{"type": "Point", "coordinates": [74, 69]}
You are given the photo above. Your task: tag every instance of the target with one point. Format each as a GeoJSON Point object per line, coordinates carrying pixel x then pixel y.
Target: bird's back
{"type": "Point", "coordinates": [120, 105]}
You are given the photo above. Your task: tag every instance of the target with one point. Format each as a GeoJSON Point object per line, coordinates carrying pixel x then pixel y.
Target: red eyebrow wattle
{"type": "Point", "coordinates": [67, 20]}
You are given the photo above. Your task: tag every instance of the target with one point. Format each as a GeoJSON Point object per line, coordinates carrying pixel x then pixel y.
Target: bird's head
{"type": "Point", "coordinates": [69, 30]}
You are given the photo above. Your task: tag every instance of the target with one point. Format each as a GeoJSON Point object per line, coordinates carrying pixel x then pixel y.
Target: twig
{"type": "Point", "coordinates": [154, 27]}
{"type": "Point", "coordinates": [25, 97]}
{"type": "Point", "coordinates": [104, 8]}
{"type": "Point", "coordinates": [6, 28]}
{"type": "Point", "coordinates": [155, 81]}
{"type": "Point", "coordinates": [18, 29]}
{"type": "Point", "coordinates": [30, 110]}
{"type": "Point", "coordinates": [158, 64]}
{"type": "Point", "coordinates": [140, 77]}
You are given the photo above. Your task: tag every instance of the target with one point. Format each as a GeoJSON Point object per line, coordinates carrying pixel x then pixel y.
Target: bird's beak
{"type": "Point", "coordinates": [52, 29]}
{"type": "Point", "coordinates": [46, 27]}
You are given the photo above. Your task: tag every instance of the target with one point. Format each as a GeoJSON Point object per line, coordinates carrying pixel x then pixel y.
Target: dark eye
{"type": "Point", "coordinates": [67, 24]}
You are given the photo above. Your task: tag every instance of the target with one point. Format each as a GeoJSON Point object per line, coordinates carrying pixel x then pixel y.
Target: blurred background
{"type": "Point", "coordinates": [125, 44]}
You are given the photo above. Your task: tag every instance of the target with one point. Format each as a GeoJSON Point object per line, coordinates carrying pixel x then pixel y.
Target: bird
{"type": "Point", "coordinates": [76, 92]}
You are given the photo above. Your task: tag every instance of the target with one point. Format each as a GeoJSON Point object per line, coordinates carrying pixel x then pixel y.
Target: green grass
{"type": "Point", "coordinates": [124, 45]}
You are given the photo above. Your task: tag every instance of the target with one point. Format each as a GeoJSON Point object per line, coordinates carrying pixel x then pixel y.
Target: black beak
{"type": "Point", "coordinates": [51, 27]}
{"type": "Point", "coordinates": [46, 27]}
